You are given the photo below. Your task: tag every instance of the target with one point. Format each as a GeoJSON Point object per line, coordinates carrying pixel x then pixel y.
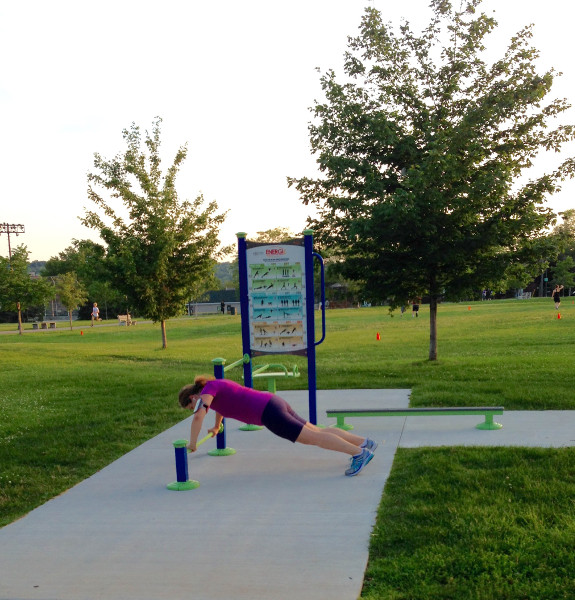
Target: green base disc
{"type": "Point", "coordinates": [489, 426]}
{"type": "Point", "coordinates": [180, 486]}
{"type": "Point", "coordinates": [223, 452]}
{"type": "Point", "coordinates": [251, 427]}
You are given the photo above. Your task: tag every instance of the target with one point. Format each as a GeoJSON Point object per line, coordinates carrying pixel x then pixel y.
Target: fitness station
{"type": "Point", "coordinates": [277, 303]}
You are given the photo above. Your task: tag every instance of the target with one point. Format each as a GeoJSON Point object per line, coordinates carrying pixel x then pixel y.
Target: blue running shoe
{"type": "Point", "coordinates": [357, 463]}
{"type": "Point", "coordinates": [370, 444]}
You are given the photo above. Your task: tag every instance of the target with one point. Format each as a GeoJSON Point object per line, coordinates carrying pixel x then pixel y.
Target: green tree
{"type": "Point", "coordinates": [85, 257]}
{"type": "Point", "coordinates": [274, 236]}
{"type": "Point", "coordinates": [88, 260]}
{"type": "Point", "coordinates": [566, 230]}
{"type": "Point", "coordinates": [563, 272]}
{"type": "Point", "coordinates": [156, 253]}
{"type": "Point", "coordinates": [71, 292]}
{"type": "Point", "coordinates": [18, 291]}
{"type": "Point", "coordinates": [420, 150]}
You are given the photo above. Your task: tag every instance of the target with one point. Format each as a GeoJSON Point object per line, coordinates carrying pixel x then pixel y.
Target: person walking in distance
{"type": "Point", "coordinates": [557, 296]}
{"type": "Point", "coordinates": [95, 313]}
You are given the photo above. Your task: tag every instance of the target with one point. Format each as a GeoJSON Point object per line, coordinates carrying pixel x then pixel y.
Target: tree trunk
{"type": "Point", "coordinates": [19, 320]}
{"type": "Point", "coordinates": [70, 316]}
{"type": "Point", "coordinates": [164, 338]}
{"type": "Point", "coordinates": [433, 328]}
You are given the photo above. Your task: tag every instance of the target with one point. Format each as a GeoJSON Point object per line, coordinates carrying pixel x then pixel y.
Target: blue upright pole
{"type": "Point", "coordinates": [219, 374]}
{"type": "Point", "coordinates": [181, 461]}
{"type": "Point", "coordinates": [245, 307]}
{"type": "Point", "coordinates": [310, 307]}
{"type": "Point", "coordinates": [182, 482]}
{"type": "Point", "coordinates": [221, 449]}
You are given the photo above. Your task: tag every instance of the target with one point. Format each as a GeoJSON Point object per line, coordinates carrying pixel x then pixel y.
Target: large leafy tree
{"type": "Point", "coordinates": [158, 247]}
{"type": "Point", "coordinates": [421, 147]}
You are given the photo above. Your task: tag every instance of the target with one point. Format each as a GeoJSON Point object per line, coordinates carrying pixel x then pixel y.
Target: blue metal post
{"type": "Point", "coordinates": [183, 483]}
{"type": "Point", "coordinates": [245, 307]}
{"type": "Point", "coordinates": [181, 462]}
{"type": "Point", "coordinates": [219, 374]}
{"type": "Point", "coordinates": [309, 304]}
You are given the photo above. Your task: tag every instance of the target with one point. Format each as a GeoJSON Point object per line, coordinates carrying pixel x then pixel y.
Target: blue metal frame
{"type": "Point", "coordinates": [310, 310]}
{"type": "Point", "coordinates": [310, 255]}
{"type": "Point", "coordinates": [245, 307]}
{"type": "Point", "coordinates": [220, 437]}
{"type": "Point", "coordinates": [322, 292]}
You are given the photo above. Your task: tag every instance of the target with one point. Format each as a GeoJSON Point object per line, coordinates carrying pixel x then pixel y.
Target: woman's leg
{"type": "Point", "coordinates": [330, 439]}
{"type": "Point", "coordinates": [356, 440]}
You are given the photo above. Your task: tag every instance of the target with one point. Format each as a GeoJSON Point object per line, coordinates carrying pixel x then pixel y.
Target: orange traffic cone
{"type": "Point", "coordinates": [558, 315]}
{"type": "Point", "coordinates": [377, 337]}
{"type": "Point", "coordinates": [469, 308]}
{"type": "Point", "coordinates": [81, 333]}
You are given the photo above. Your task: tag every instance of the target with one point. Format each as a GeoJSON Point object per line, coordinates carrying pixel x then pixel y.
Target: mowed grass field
{"type": "Point", "coordinates": [453, 523]}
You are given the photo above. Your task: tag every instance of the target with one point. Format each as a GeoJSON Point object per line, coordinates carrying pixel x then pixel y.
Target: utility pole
{"type": "Point", "coordinates": [9, 228]}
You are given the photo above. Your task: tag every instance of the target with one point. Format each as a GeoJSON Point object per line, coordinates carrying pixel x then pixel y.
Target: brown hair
{"type": "Point", "coordinates": [193, 388]}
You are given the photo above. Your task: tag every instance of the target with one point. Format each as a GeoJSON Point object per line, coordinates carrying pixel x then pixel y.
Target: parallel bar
{"type": "Point", "coordinates": [405, 412]}
{"type": "Point", "coordinates": [486, 411]}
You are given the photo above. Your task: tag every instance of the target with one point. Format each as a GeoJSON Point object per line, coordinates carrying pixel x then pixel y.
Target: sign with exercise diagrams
{"type": "Point", "coordinates": [276, 289]}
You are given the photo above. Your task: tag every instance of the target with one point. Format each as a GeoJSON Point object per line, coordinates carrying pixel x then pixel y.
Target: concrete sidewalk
{"type": "Point", "coordinates": [274, 521]}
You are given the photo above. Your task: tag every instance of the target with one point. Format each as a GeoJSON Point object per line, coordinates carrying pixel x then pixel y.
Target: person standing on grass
{"type": "Point", "coordinates": [415, 308]}
{"type": "Point", "coordinates": [230, 399]}
{"type": "Point", "coordinates": [556, 296]}
{"type": "Point", "coordinates": [95, 313]}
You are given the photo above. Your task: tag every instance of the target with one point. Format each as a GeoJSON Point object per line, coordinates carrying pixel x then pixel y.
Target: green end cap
{"type": "Point", "coordinates": [241, 234]}
{"type": "Point", "coordinates": [218, 361]}
{"type": "Point", "coordinates": [223, 452]}
{"type": "Point", "coordinates": [180, 443]}
{"type": "Point", "coordinates": [489, 426]}
{"type": "Point", "coordinates": [246, 358]}
{"type": "Point", "coordinates": [308, 231]}
{"type": "Point", "coordinates": [182, 486]}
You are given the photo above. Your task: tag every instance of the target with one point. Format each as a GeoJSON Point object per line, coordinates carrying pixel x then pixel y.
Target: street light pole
{"type": "Point", "coordinates": [9, 228]}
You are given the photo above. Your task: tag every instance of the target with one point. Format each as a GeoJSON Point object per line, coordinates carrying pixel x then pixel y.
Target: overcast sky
{"type": "Point", "coordinates": [232, 79]}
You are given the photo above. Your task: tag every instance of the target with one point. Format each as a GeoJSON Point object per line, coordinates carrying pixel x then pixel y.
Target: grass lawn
{"type": "Point", "coordinates": [453, 523]}
{"type": "Point", "coordinates": [470, 523]}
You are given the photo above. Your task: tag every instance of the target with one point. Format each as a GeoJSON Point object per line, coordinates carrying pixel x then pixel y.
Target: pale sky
{"type": "Point", "coordinates": [232, 79]}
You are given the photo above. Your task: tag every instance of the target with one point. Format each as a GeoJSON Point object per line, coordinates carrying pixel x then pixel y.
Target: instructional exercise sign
{"type": "Point", "coordinates": [276, 289]}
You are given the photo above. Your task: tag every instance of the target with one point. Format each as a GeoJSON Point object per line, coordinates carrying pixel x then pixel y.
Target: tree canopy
{"type": "Point", "coordinates": [421, 145]}
{"type": "Point", "coordinates": [158, 251]}
{"type": "Point", "coordinates": [18, 291]}
{"type": "Point", "coordinates": [87, 260]}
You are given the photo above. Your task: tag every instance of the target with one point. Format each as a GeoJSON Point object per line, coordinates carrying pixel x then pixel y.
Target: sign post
{"type": "Point", "coordinates": [277, 303]}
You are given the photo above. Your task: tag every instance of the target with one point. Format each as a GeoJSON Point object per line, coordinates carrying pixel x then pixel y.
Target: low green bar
{"type": "Point", "coordinates": [409, 413]}
{"type": "Point", "coordinates": [488, 412]}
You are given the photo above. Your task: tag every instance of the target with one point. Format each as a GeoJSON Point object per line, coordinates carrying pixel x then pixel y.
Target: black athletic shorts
{"type": "Point", "coordinates": [280, 418]}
